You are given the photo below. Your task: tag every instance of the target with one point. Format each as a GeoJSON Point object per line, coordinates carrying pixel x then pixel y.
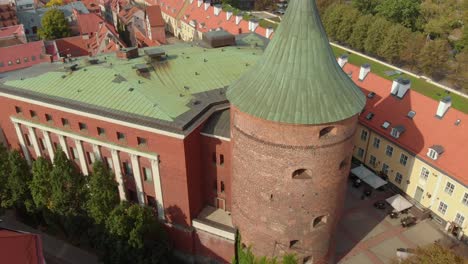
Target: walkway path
{"type": "Point", "coordinates": [55, 250]}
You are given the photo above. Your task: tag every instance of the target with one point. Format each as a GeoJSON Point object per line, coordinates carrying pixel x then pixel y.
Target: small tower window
{"type": "Point", "coordinates": [343, 164]}
{"type": "Point", "coordinates": [213, 156]}
{"type": "Point", "coordinates": [302, 174]}
{"type": "Point", "coordinates": [293, 243]}
{"type": "Point", "coordinates": [319, 221]}
{"type": "Point", "coordinates": [222, 186]}
{"type": "Point", "coordinates": [221, 159]}
{"type": "Point", "coordinates": [327, 131]}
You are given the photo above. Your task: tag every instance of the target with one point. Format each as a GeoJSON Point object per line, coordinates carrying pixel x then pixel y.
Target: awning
{"type": "Point", "coordinates": [368, 177]}
{"type": "Point", "coordinates": [399, 203]}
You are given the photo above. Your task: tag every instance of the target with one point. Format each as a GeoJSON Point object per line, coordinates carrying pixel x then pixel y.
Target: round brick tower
{"type": "Point", "coordinates": [293, 116]}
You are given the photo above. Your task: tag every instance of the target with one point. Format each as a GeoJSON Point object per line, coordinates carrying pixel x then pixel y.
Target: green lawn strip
{"type": "Point", "coordinates": [418, 85]}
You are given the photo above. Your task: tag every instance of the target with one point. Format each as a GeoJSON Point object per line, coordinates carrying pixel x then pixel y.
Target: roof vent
{"type": "Point", "coordinates": [369, 116]}
{"type": "Point", "coordinates": [397, 131]}
{"type": "Point", "coordinates": [142, 69]}
{"type": "Point", "coordinates": [457, 122]}
{"type": "Point", "coordinates": [400, 86]}
{"type": "Point", "coordinates": [239, 18]}
{"type": "Point", "coordinates": [219, 38]}
{"type": "Point", "coordinates": [365, 69]}
{"type": "Point", "coordinates": [350, 74]}
{"type": "Point", "coordinates": [411, 114]}
{"type": "Point", "coordinates": [72, 67]}
{"type": "Point", "coordinates": [92, 60]}
{"type": "Point", "coordinates": [156, 54]}
{"type": "Point", "coordinates": [443, 107]}
{"type": "Point", "coordinates": [435, 151]}
{"type": "Point", "coordinates": [127, 53]}
{"type": "Point", "coordinates": [385, 125]}
{"type": "Point", "coordinates": [370, 95]}
{"type": "Point", "coordinates": [342, 60]}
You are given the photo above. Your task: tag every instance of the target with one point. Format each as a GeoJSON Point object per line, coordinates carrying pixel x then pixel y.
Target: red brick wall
{"type": "Point", "coordinates": [214, 247]}
{"type": "Point", "coordinates": [270, 208]}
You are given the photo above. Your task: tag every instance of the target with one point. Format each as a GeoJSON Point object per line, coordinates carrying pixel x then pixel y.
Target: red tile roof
{"type": "Point", "coordinates": [7, 16]}
{"type": "Point", "coordinates": [144, 41]}
{"type": "Point", "coordinates": [423, 130]}
{"type": "Point", "coordinates": [22, 56]}
{"type": "Point", "coordinates": [155, 16]}
{"type": "Point", "coordinates": [127, 13]}
{"type": "Point", "coordinates": [75, 46]}
{"type": "Point", "coordinates": [12, 30]}
{"type": "Point", "coordinates": [20, 248]}
{"type": "Point", "coordinates": [89, 23]}
{"type": "Point", "coordinates": [12, 35]}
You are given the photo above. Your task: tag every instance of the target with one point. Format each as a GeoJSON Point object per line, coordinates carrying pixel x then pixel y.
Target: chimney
{"type": "Point", "coordinates": [342, 60]}
{"type": "Point", "coordinates": [253, 24]}
{"type": "Point", "coordinates": [239, 19]}
{"type": "Point", "coordinates": [207, 5]}
{"type": "Point", "coordinates": [228, 15]}
{"type": "Point", "coordinates": [365, 69]}
{"type": "Point", "coordinates": [444, 105]}
{"type": "Point", "coordinates": [217, 9]}
{"type": "Point", "coordinates": [269, 31]}
{"type": "Point", "coordinates": [199, 3]}
{"type": "Point", "coordinates": [400, 87]}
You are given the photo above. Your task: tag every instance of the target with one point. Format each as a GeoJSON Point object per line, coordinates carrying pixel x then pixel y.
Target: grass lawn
{"type": "Point", "coordinates": [418, 85]}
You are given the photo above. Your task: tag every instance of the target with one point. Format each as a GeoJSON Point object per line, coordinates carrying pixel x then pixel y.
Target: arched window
{"type": "Point", "coordinates": [327, 131]}
{"type": "Point", "coordinates": [319, 221]}
{"type": "Point", "coordinates": [343, 164]}
{"type": "Point", "coordinates": [302, 174]}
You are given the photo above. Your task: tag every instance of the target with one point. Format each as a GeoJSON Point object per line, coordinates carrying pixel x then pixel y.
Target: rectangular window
{"type": "Point", "coordinates": [33, 113]}
{"type": "Point", "coordinates": [385, 169]}
{"type": "Point", "coordinates": [55, 145]}
{"type": "Point", "coordinates": [222, 186]}
{"type": "Point", "coordinates": [41, 143]}
{"type": "Point", "coordinates": [120, 136]}
{"type": "Point", "coordinates": [65, 122]}
{"type": "Point", "coordinates": [48, 117]}
{"type": "Point", "coordinates": [465, 199]}
{"type": "Point", "coordinates": [141, 141]}
{"type": "Point", "coordinates": [442, 208]}
{"type": "Point", "coordinates": [213, 156]}
{"type": "Point", "coordinates": [90, 157]}
{"type": "Point", "coordinates": [18, 110]}
{"type": "Point", "coordinates": [389, 151]}
{"type": "Point", "coordinates": [364, 135]}
{"type": "Point", "coordinates": [74, 153]}
{"type": "Point", "coordinates": [82, 126]}
{"type": "Point", "coordinates": [221, 159]}
{"type": "Point", "coordinates": [101, 131]}
{"type": "Point", "coordinates": [449, 188]}
{"type": "Point", "coordinates": [127, 169]}
{"type": "Point", "coordinates": [376, 143]}
{"type": "Point", "coordinates": [26, 138]}
{"type": "Point", "coordinates": [403, 159]}
{"type": "Point", "coordinates": [372, 160]}
{"type": "Point", "coordinates": [109, 163]}
{"type": "Point", "coordinates": [398, 178]}
{"type": "Point", "coordinates": [459, 219]}
{"type": "Point", "coordinates": [424, 174]}
{"type": "Point", "coordinates": [147, 174]}
{"type": "Point", "coordinates": [151, 201]}
{"type": "Point", "coordinates": [360, 152]}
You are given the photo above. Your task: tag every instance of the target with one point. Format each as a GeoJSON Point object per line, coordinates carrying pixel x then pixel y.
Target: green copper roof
{"type": "Point", "coordinates": [297, 80]}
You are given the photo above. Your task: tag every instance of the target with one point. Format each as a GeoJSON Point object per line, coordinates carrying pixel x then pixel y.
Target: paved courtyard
{"type": "Point", "coordinates": [368, 235]}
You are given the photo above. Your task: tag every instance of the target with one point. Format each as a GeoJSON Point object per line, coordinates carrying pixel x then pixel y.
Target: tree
{"type": "Point", "coordinates": [366, 6]}
{"type": "Point", "coordinates": [53, 3]}
{"type": "Point", "coordinates": [16, 186]}
{"type": "Point", "coordinates": [433, 58]}
{"type": "Point", "coordinates": [405, 12]}
{"type": "Point", "coordinates": [54, 25]}
{"type": "Point", "coordinates": [394, 43]}
{"type": "Point", "coordinates": [4, 172]}
{"type": "Point", "coordinates": [40, 185]}
{"type": "Point", "coordinates": [262, 4]}
{"type": "Point", "coordinates": [348, 20]}
{"type": "Point", "coordinates": [103, 193]}
{"type": "Point", "coordinates": [376, 34]}
{"type": "Point", "coordinates": [359, 34]}
{"type": "Point", "coordinates": [332, 19]}
{"type": "Point", "coordinates": [413, 46]}
{"type": "Point", "coordinates": [433, 254]}
{"type": "Point", "coordinates": [459, 75]}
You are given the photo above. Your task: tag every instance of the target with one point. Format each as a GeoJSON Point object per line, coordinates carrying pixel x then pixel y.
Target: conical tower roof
{"type": "Point", "coordinates": [297, 80]}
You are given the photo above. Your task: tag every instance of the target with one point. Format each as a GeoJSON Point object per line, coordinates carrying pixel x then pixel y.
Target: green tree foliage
{"type": "Point", "coordinates": [366, 6]}
{"type": "Point", "coordinates": [40, 186]}
{"type": "Point", "coordinates": [322, 5]}
{"type": "Point", "coordinates": [413, 46]}
{"type": "Point", "coordinates": [405, 12]}
{"type": "Point", "coordinates": [103, 193]}
{"type": "Point", "coordinates": [68, 187]}
{"type": "Point", "coordinates": [244, 255]}
{"type": "Point", "coordinates": [345, 29]}
{"type": "Point", "coordinates": [4, 171]}
{"type": "Point", "coordinates": [54, 25]}
{"type": "Point", "coordinates": [459, 75]}
{"type": "Point", "coordinates": [16, 192]}
{"type": "Point", "coordinates": [440, 17]}
{"type": "Point", "coordinates": [332, 19]}
{"type": "Point", "coordinates": [359, 34]}
{"type": "Point", "coordinates": [394, 43]}
{"type": "Point", "coordinates": [433, 58]}
{"type": "Point", "coordinates": [433, 254]}
{"type": "Point", "coordinates": [376, 34]}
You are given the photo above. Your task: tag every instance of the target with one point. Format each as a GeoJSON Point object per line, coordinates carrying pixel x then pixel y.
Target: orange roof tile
{"type": "Point", "coordinates": [75, 46]}
{"type": "Point", "coordinates": [154, 16]}
{"type": "Point", "coordinates": [89, 23]}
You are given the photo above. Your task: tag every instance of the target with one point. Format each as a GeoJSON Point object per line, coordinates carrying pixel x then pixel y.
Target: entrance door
{"type": "Point", "coordinates": [418, 194]}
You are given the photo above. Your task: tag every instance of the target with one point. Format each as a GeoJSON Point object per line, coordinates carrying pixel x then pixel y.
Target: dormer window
{"type": "Point", "coordinates": [435, 151]}
{"type": "Point", "coordinates": [397, 131]}
{"type": "Point", "coordinates": [385, 125]}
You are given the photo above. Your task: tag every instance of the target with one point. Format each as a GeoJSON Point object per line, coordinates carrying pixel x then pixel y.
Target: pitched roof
{"type": "Point", "coordinates": [7, 16]}
{"type": "Point", "coordinates": [22, 56]}
{"type": "Point", "coordinates": [155, 16]}
{"type": "Point", "coordinates": [297, 80]}
{"type": "Point", "coordinates": [89, 23]}
{"type": "Point", "coordinates": [75, 46]}
{"type": "Point", "coordinates": [422, 131]}
{"type": "Point", "coordinates": [20, 247]}
{"type": "Point", "coordinates": [11, 30]}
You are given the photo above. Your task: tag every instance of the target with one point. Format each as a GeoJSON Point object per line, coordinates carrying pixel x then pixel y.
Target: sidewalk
{"type": "Point", "coordinates": [55, 250]}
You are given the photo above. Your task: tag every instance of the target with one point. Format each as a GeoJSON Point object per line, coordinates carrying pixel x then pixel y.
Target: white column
{"type": "Point", "coordinates": [81, 155]}
{"type": "Point", "coordinates": [436, 189]}
{"type": "Point", "coordinates": [48, 142]}
{"type": "Point", "coordinates": [158, 188]}
{"type": "Point", "coordinates": [32, 136]}
{"type": "Point", "coordinates": [137, 177]}
{"type": "Point", "coordinates": [97, 152]}
{"type": "Point", "coordinates": [118, 174]}
{"type": "Point", "coordinates": [63, 144]}
{"type": "Point", "coordinates": [23, 146]}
